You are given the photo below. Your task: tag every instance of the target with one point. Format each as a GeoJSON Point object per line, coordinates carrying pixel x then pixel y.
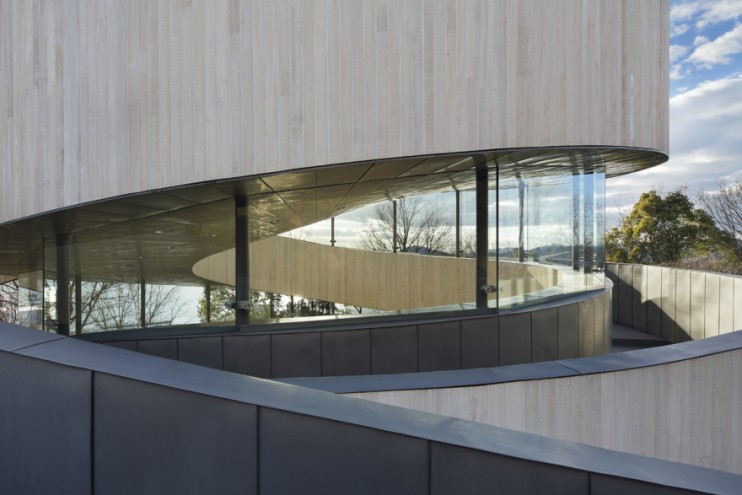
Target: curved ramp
{"type": "Point", "coordinates": [83, 418]}
{"type": "Point", "coordinates": [374, 279]}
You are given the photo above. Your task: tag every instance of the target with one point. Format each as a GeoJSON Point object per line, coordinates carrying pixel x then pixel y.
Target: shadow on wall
{"type": "Point", "coordinates": [675, 304]}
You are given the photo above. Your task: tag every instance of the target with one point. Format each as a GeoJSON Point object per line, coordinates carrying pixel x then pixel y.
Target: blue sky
{"type": "Point", "coordinates": [705, 104]}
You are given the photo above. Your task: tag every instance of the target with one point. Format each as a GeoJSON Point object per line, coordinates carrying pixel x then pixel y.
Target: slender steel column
{"type": "Point", "coordinates": [482, 212]}
{"type": "Point", "coordinates": [142, 303]}
{"type": "Point", "coordinates": [394, 226]}
{"type": "Point", "coordinates": [63, 286]}
{"type": "Point", "coordinates": [78, 304]}
{"type": "Point", "coordinates": [575, 221]}
{"type": "Point", "coordinates": [458, 223]}
{"type": "Point", "coordinates": [588, 199]}
{"type": "Point", "coordinates": [332, 231]}
{"type": "Point", "coordinates": [521, 220]}
{"type": "Point", "coordinates": [242, 261]}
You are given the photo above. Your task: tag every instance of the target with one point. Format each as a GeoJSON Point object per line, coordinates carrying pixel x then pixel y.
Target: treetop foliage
{"type": "Point", "coordinates": [666, 230]}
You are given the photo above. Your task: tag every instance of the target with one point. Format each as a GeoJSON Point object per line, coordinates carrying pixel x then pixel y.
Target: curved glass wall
{"type": "Point", "coordinates": [360, 240]}
{"type": "Point", "coordinates": [133, 273]}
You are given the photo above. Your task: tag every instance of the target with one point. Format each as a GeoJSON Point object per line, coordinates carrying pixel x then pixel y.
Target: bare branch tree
{"type": "Point", "coordinates": [725, 208]}
{"type": "Point", "coordinates": [420, 224]}
{"type": "Point", "coordinates": [9, 302]}
{"type": "Point", "coordinates": [108, 306]}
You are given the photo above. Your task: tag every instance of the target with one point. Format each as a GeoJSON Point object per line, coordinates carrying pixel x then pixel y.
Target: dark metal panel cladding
{"type": "Point", "coordinates": [515, 339]}
{"type": "Point", "coordinates": [669, 326]}
{"type": "Point", "coordinates": [296, 354]}
{"type": "Point", "coordinates": [697, 303]}
{"type": "Point", "coordinates": [303, 454]}
{"type": "Point", "coordinates": [466, 471]}
{"type": "Point", "coordinates": [545, 335]}
{"type": "Point", "coordinates": [204, 351]}
{"type": "Point", "coordinates": [654, 300]}
{"type": "Point", "coordinates": [44, 427]}
{"type": "Point", "coordinates": [153, 439]}
{"type": "Point", "coordinates": [394, 350]}
{"type": "Point", "coordinates": [625, 294]}
{"type": "Point", "coordinates": [587, 327]}
{"type": "Point", "coordinates": [480, 340]}
{"type": "Point", "coordinates": [612, 485]}
{"type": "Point", "coordinates": [346, 353]}
{"type": "Point", "coordinates": [682, 305]}
{"type": "Point", "coordinates": [569, 331]}
{"type": "Point", "coordinates": [439, 346]}
{"type": "Point", "coordinates": [638, 295]}
{"type": "Point", "coordinates": [248, 355]}
{"type": "Point", "coordinates": [167, 348]}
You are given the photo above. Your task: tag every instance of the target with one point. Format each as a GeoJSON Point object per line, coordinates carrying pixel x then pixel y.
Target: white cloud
{"type": "Point", "coordinates": [719, 11]}
{"type": "Point", "coordinates": [682, 11]}
{"type": "Point", "coordinates": [704, 12]}
{"type": "Point", "coordinates": [678, 30]}
{"type": "Point", "coordinates": [705, 125]}
{"type": "Point", "coordinates": [720, 50]}
{"type": "Point", "coordinates": [677, 51]}
{"type": "Point", "coordinates": [700, 40]}
{"type": "Point", "coordinates": [677, 72]}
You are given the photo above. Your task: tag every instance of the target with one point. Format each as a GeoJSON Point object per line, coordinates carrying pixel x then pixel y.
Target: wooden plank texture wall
{"type": "Point", "coordinates": [99, 99]}
{"type": "Point", "coordinates": [374, 279]}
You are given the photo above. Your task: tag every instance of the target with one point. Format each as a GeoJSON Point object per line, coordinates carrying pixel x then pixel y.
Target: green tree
{"type": "Point", "coordinates": [219, 311]}
{"type": "Point", "coordinates": [263, 305]}
{"type": "Point", "coordinates": [664, 230]}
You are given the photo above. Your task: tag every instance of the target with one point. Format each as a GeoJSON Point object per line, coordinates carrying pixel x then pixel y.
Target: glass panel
{"type": "Point", "coordinates": [545, 239]}
{"type": "Point", "coordinates": [137, 273]}
{"type": "Point", "coordinates": [551, 235]}
{"type": "Point", "coordinates": [300, 273]}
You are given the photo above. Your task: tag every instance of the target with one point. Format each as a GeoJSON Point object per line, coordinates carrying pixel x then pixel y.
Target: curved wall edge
{"type": "Point", "coordinates": [577, 326]}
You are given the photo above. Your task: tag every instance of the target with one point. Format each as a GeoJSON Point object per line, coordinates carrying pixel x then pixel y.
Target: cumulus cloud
{"type": "Point", "coordinates": [705, 125]}
{"type": "Point", "coordinates": [683, 11]}
{"type": "Point", "coordinates": [719, 11]}
{"type": "Point", "coordinates": [704, 12]}
{"type": "Point", "coordinates": [678, 30]}
{"type": "Point", "coordinates": [678, 71]}
{"type": "Point", "coordinates": [677, 51]}
{"type": "Point", "coordinates": [720, 50]}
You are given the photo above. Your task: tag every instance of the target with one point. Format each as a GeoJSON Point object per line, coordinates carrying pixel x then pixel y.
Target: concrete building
{"type": "Point", "coordinates": [377, 190]}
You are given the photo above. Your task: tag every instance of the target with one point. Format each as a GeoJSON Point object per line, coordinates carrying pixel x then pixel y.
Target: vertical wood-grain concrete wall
{"type": "Point", "coordinates": [674, 304]}
{"type": "Point", "coordinates": [100, 99]}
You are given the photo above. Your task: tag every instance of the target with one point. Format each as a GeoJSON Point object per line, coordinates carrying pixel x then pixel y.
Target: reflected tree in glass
{"type": "Point", "coordinates": [421, 227]}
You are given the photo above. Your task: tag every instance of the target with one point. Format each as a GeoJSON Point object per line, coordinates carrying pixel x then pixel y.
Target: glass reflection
{"type": "Point", "coordinates": [387, 250]}
{"type": "Point", "coordinates": [551, 235]}
{"type": "Point", "coordinates": [135, 274]}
